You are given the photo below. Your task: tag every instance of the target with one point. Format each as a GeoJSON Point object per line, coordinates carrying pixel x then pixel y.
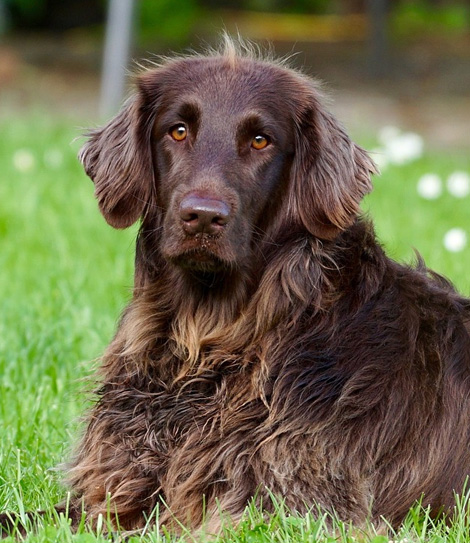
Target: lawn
{"type": "Point", "coordinates": [65, 275]}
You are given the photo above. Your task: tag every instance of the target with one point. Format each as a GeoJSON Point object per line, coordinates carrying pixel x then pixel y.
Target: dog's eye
{"type": "Point", "coordinates": [259, 142]}
{"type": "Point", "coordinates": [179, 132]}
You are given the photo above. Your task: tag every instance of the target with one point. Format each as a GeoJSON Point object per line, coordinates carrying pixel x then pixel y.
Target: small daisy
{"type": "Point", "coordinates": [458, 184]}
{"type": "Point", "coordinates": [429, 186]}
{"type": "Point", "coordinates": [405, 148]}
{"type": "Point", "coordinates": [23, 160]}
{"type": "Point", "coordinates": [455, 240]}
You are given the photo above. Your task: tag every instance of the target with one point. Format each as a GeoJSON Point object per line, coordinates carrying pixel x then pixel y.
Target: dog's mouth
{"type": "Point", "coordinates": [200, 260]}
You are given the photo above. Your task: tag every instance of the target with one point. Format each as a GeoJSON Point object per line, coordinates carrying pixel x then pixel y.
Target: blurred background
{"type": "Point", "coordinates": [399, 62]}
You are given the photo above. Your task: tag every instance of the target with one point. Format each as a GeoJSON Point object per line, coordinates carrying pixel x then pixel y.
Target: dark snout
{"type": "Point", "coordinates": [204, 230]}
{"type": "Point", "coordinates": [204, 215]}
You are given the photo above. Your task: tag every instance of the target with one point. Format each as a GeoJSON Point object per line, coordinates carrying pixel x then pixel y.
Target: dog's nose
{"type": "Point", "coordinates": [203, 215]}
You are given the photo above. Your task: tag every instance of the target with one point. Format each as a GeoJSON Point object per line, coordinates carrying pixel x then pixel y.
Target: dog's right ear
{"type": "Point", "coordinates": [118, 159]}
{"type": "Point", "coordinates": [331, 173]}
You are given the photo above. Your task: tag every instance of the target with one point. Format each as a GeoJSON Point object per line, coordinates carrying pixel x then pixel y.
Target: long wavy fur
{"type": "Point", "coordinates": [316, 368]}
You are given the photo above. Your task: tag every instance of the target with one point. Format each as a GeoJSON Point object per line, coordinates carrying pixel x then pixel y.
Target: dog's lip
{"type": "Point", "coordinates": [200, 254]}
{"type": "Point", "coordinates": [199, 259]}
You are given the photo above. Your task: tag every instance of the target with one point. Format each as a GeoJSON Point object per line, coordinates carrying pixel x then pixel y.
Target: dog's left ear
{"type": "Point", "coordinates": [117, 157]}
{"type": "Point", "coordinates": [331, 174]}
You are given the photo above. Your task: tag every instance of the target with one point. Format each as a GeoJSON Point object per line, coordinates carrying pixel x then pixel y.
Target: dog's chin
{"type": "Point", "coordinates": [200, 261]}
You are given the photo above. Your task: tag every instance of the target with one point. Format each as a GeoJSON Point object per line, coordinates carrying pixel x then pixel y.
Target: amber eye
{"type": "Point", "coordinates": [179, 132]}
{"type": "Point", "coordinates": [259, 142]}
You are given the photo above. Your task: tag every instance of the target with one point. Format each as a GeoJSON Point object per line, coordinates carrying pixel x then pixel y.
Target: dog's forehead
{"type": "Point", "coordinates": [229, 83]}
{"type": "Point", "coordinates": [223, 71]}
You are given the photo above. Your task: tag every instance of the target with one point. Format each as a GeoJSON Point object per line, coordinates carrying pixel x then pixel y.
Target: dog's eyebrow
{"type": "Point", "coordinates": [186, 111]}
{"type": "Point", "coordinates": [254, 122]}
{"type": "Point", "coordinates": [189, 112]}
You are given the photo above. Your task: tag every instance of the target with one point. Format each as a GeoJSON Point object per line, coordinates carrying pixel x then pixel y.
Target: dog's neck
{"type": "Point", "coordinates": [202, 314]}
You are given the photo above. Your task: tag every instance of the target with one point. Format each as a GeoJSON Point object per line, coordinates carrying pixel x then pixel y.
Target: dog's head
{"type": "Point", "coordinates": [215, 150]}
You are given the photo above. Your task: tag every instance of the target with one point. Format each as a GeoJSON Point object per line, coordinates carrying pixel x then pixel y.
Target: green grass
{"type": "Point", "coordinates": [405, 222]}
{"type": "Point", "coordinates": [64, 277]}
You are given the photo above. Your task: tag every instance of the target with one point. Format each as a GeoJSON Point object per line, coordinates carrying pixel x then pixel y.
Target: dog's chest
{"type": "Point", "coordinates": [202, 408]}
{"type": "Point", "coordinates": [211, 434]}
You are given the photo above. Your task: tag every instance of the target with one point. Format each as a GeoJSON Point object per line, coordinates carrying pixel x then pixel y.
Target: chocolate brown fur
{"type": "Point", "coordinates": [284, 352]}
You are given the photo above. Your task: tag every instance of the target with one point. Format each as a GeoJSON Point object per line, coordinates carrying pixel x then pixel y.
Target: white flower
{"type": "Point", "coordinates": [429, 186]}
{"type": "Point", "coordinates": [53, 158]}
{"type": "Point", "coordinates": [400, 147]}
{"type": "Point", "coordinates": [455, 240]}
{"type": "Point", "coordinates": [404, 148]}
{"type": "Point", "coordinates": [458, 184]}
{"type": "Point", "coordinates": [23, 160]}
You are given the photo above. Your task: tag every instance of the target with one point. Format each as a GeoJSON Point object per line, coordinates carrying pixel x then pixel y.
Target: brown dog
{"type": "Point", "coordinates": [270, 345]}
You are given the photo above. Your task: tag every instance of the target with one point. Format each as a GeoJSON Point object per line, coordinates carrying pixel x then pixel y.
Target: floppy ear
{"type": "Point", "coordinates": [118, 159]}
{"type": "Point", "coordinates": [331, 174]}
